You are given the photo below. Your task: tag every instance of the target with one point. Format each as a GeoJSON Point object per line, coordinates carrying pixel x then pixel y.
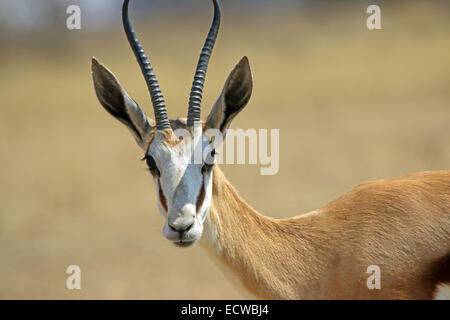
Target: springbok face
{"type": "Point", "coordinates": [182, 178]}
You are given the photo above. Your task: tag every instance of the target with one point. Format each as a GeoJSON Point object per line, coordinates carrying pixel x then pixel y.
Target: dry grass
{"type": "Point", "coordinates": [351, 105]}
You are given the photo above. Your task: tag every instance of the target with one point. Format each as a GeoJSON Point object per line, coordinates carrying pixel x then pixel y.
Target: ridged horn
{"type": "Point", "coordinates": [195, 97]}
{"type": "Point", "coordinates": [159, 105]}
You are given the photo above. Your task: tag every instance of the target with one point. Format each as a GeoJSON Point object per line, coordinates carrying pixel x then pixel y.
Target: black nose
{"type": "Point", "coordinates": [181, 228]}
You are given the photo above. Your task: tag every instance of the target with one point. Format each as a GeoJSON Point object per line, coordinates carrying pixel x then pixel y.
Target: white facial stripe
{"type": "Point", "coordinates": [186, 189]}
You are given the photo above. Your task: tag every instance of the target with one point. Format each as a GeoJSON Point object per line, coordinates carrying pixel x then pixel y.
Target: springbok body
{"type": "Point", "coordinates": [401, 226]}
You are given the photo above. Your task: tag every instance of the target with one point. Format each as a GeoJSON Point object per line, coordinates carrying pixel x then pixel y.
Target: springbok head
{"type": "Point", "coordinates": [183, 180]}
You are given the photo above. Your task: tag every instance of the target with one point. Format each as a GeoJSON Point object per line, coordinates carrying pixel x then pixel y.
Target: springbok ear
{"type": "Point", "coordinates": [235, 95]}
{"type": "Point", "coordinates": [118, 103]}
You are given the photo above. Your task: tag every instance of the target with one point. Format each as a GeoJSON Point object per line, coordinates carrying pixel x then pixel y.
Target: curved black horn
{"type": "Point", "coordinates": [195, 97]}
{"type": "Point", "coordinates": [159, 106]}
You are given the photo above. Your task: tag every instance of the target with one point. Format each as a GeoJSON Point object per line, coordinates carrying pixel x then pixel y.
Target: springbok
{"type": "Point", "coordinates": [400, 225]}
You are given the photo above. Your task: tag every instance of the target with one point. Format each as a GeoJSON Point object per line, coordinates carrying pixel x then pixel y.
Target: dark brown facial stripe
{"type": "Point", "coordinates": [162, 198]}
{"type": "Point", "coordinates": [201, 197]}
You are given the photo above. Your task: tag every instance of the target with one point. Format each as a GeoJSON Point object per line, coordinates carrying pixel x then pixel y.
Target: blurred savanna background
{"type": "Point", "coordinates": [351, 104]}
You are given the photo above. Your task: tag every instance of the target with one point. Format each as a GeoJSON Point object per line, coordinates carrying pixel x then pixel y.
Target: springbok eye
{"type": "Point", "coordinates": [151, 164]}
{"type": "Point", "coordinates": [210, 162]}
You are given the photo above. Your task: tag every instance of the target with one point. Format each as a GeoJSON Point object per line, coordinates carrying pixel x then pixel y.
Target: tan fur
{"type": "Point", "coordinates": [169, 138]}
{"type": "Point", "coordinates": [401, 225]}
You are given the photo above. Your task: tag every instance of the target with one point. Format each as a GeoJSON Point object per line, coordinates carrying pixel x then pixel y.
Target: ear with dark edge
{"type": "Point", "coordinates": [118, 103]}
{"type": "Point", "coordinates": [234, 97]}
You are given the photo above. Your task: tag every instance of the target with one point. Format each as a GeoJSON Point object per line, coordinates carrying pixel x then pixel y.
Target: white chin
{"type": "Point", "coordinates": [187, 238]}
